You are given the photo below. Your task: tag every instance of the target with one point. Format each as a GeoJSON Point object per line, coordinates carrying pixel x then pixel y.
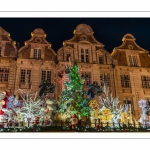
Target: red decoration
{"type": "Point", "coordinates": [98, 127]}
{"type": "Point", "coordinates": [6, 101]}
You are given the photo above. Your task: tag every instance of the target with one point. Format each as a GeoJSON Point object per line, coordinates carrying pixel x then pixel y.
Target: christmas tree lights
{"type": "Point", "coordinates": [73, 99]}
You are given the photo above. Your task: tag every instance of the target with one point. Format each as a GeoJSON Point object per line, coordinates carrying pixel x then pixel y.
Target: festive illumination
{"type": "Point", "coordinates": [73, 99]}
{"type": "Point", "coordinates": [31, 106]}
{"type": "Point", "coordinates": [106, 115]}
{"type": "Point", "coordinates": [37, 112]}
{"type": "Point", "coordinates": [142, 103]}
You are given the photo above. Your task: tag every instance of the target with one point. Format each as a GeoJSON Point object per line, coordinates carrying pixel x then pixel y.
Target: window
{"type": "Point", "coordinates": [25, 76]}
{"type": "Point", "coordinates": [125, 81]}
{"type": "Point", "coordinates": [133, 60]}
{"type": "Point", "coordinates": [148, 101]}
{"type": "Point", "coordinates": [145, 81]}
{"type": "Point", "coordinates": [4, 74]}
{"type": "Point", "coordinates": [87, 77]}
{"type": "Point", "coordinates": [37, 53]}
{"type": "Point", "coordinates": [46, 75]}
{"type": "Point", "coordinates": [84, 55]}
{"type": "Point", "coordinates": [105, 78]}
{"type": "Point", "coordinates": [128, 105]}
{"type": "Point", "coordinates": [101, 59]}
{"type": "Point", "coordinates": [67, 57]}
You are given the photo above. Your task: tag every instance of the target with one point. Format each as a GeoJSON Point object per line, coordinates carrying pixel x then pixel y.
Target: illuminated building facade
{"type": "Point", "coordinates": [126, 70]}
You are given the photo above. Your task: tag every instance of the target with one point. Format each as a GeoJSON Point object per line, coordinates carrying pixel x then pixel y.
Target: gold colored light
{"type": "Point", "coordinates": [31, 34]}
{"type": "Point", "coordinates": [25, 43]}
{"type": "Point", "coordinates": [44, 35]}
{"type": "Point", "coordinates": [63, 43]}
{"type": "Point", "coordinates": [74, 32]}
{"type": "Point", "coordinates": [15, 42]}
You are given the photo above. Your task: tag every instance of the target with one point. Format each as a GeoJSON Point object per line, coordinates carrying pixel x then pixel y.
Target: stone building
{"type": "Point", "coordinates": [126, 70]}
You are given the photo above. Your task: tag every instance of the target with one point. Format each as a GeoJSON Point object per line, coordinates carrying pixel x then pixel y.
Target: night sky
{"type": "Point", "coordinates": [108, 31]}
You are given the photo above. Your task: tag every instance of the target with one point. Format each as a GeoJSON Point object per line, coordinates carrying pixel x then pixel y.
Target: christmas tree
{"type": "Point", "coordinates": [73, 99]}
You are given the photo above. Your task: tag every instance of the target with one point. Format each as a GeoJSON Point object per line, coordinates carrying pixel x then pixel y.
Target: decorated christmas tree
{"type": "Point", "coordinates": [73, 99]}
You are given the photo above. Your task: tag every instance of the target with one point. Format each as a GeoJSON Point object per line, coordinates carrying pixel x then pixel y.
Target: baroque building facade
{"type": "Point", "coordinates": [126, 70]}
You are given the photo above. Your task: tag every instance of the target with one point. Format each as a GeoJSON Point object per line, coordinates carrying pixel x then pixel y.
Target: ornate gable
{"type": "Point", "coordinates": [38, 37]}
{"type": "Point", "coordinates": [82, 33]}
{"type": "Point", "coordinates": [129, 43]}
{"type": "Point", "coordinates": [130, 49]}
{"type": "Point", "coordinates": [7, 45]}
{"type": "Point", "coordinates": [39, 45]}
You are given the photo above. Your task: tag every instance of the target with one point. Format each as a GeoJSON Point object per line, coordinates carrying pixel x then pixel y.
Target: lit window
{"type": "Point", "coordinates": [133, 60]}
{"type": "Point", "coordinates": [46, 75]}
{"type": "Point", "coordinates": [125, 81]}
{"type": "Point", "coordinates": [84, 55]}
{"type": "Point", "coordinates": [25, 76]}
{"type": "Point", "coordinates": [37, 53]}
{"type": "Point", "coordinates": [4, 74]}
{"type": "Point", "coordinates": [145, 81]}
{"type": "Point", "coordinates": [105, 78]}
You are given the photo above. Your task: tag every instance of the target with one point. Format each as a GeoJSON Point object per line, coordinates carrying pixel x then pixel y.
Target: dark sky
{"type": "Point", "coordinates": [108, 31]}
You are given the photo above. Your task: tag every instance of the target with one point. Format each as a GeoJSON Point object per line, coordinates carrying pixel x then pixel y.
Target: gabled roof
{"type": "Point", "coordinates": [84, 32]}
{"type": "Point", "coordinates": [129, 43]}
{"type": "Point", "coordinates": [38, 36]}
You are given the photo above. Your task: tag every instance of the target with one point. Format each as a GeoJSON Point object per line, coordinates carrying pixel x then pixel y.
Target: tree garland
{"type": "Point", "coordinates": [56, 128]}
